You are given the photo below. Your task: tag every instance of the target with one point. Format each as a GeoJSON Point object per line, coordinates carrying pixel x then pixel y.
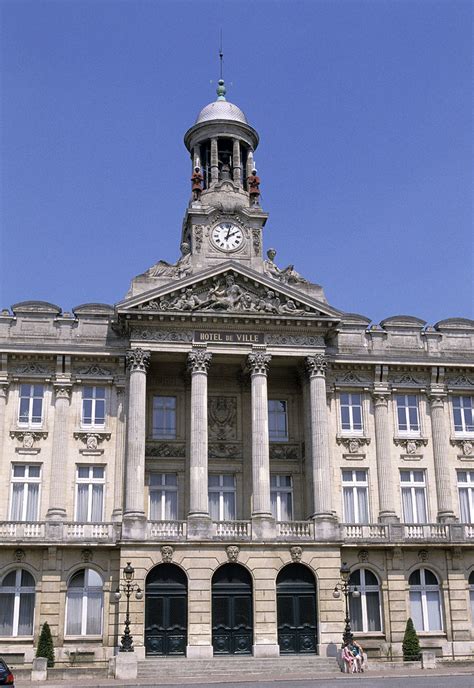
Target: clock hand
{"type": "Point", "coordinates": [233, 234]}
{"type": "Point", "coordinates": [228, 232]}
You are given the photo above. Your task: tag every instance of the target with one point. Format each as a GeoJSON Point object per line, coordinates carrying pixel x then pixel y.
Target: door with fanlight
{"type": "Point", "coordinates": [232, 611]}
{"type": "Point", "coordinates": [166, 611]}
{"type": "Point", "coordinates": [296, 609]}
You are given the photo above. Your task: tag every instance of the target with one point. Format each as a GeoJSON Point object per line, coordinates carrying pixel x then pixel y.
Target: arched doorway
{"type": "Point", "coordinates": [166, 592]}
{"type": "Point", "coordinates": [232, 616]}
{"type": "Point", "coordinates": [296, 609]}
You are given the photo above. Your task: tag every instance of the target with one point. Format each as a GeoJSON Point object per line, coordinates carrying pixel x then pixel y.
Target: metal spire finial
{"type": "Point", "coordinates": [221, 89]}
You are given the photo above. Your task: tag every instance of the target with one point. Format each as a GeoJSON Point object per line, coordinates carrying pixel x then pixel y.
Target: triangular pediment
{"type": "Point", "coordinates": [230, 289]}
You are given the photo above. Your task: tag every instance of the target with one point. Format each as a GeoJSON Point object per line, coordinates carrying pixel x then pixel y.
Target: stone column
{"type": "Point", "coordinates": [320, 457]}
{"type": "Point", "coordinates": [119, 454]}
{"type": "Point", "coordinates": [214, 162]}
{"type": "Point", "coordinates": [57, 499]}
{"type": "Point", "coordinates": [199, 522]}
{"type": "Point", "coordinates": [3, 404]}
{"type": "Point", "coordinates": [262, 520]}
{"type": "Point", "coordinates": [236, 162]}
{"type": "Point", "coordinates": [384, 459]}
{"type": "Point", "coordinates": [138, 361]}
{"type": "Point", "coordinates": [196, 156]}
{"type": "Point", "coordinates": [440, 455]}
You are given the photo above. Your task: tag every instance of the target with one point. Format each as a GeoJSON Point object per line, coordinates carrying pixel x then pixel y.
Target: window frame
{"type": "Point", "coordinates": [17, 590]}
{"type": "Point", "coordinates": [30, 423]}
{"type": "Point", "coordinates": [464, 431]}
{"type": "Point", "coordinates": [164, 489]}
{"type": "Point", "coordinates": [276, 436]}
{"type": "Point", "coordinates": [84, 605]}
{"type": "Point", "coordinates": [94, 399]}
{"type": "Point", "coordinates": [279, 490]}
{"type": "Point", "coordinates": [90, 481]}
{"type": "Point", "coordinates": [423, 588]}
{"type": "Point", "coordinates": [363, 589]}
{"type": "Point", "coordinates": [409, 432]}
{"type": "Point", "coordinates": [27, 481]}
{"type": "Point", "coordinates": [164, 435]}
{"type": "Point", "coordinates": [351, 430]}
{"type": "Point", "coordinates": [354, 485]}
{"type": "Point", "coordinates": [468, 486]}
{"type": "Point", "coordinates": [221, 489]}
{"type": "Point", "coordinates": [413, 485]}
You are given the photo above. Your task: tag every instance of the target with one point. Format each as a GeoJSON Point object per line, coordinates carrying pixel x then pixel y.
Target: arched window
{"type": "Point", "coordinates": [471, 596]}
{"type": "Point", "coordinates": [425, 601]}
{"type": "Point", "coordinates": [365, 609]}
{"type": "Point", "coordinates": [85, 600]}
{"type": "Point", "coordinates": [17, 603]}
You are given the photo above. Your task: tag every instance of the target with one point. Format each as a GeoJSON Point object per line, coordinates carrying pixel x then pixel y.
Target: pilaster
{"type": "Point", "coordinates": [57, 500]}
{"type": "Point", "coordinates": [383, 456]}
{"type": "Point", "coordinates": [440, 456]}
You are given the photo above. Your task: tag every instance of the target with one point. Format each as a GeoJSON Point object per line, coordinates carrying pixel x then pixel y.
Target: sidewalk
{"type": "Point", "coordinates": [244, 678]}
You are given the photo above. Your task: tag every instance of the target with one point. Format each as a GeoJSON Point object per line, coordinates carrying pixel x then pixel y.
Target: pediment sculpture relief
{"type": "Point", "coordinates": [230, 295]}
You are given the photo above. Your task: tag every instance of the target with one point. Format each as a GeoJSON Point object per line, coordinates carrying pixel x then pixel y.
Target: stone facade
{"type": "Point", "coordinates": [290, 433]}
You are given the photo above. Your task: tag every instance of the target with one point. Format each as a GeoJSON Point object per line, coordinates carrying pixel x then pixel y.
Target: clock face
{"type": "Point", "coordinates": [227, 237]}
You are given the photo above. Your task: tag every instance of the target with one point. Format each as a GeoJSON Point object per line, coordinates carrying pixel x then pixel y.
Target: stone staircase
{"type": "Point", "coordinates": [165, 669]}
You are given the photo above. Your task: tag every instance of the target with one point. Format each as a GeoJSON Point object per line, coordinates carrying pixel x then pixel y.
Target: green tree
{"type": "Point", "coordinates": [411, 643]}
{"type": "Point", "coordinates": [45, 644]}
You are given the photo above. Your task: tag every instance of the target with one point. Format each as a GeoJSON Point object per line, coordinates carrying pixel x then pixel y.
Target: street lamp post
{"type": "Point", "coordinates": [346, 590]}
{"type": "Point", "coordinates": [128, 587]}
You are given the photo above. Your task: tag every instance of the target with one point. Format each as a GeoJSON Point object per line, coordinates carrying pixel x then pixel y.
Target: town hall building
{"type": "Point", "coordinates": [237, 439]}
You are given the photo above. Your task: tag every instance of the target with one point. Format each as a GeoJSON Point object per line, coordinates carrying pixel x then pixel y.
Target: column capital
{"type": "Point", "coordinates": [316, 365]}
{"type": "Point", "coordinates": [380, 397]}
{"type": "Point", "coordinates": [258, 362]}
{"type": "Point", "coordinates": [62, 391]}
{"type": "Point", "coordinates": [199, 360]}
{"type": "Point", "coordinates": [436, 398]}
{"type": "Point", "coordinates": [137, 359]}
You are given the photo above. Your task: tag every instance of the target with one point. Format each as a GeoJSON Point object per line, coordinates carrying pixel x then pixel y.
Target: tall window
{"type": "Point", "coordinates": [463, 414]}
{"type": "Point", "coordinates": [471, 596]}
{"type": "Point", "coordinates": [222, 497]}
{"type": "Point", "coordinates": [93, 406]}
{"type": "Point", "coordinates": [163, 496]}
{"type": "Point", "coordinates": [17, 603]}
{"type": "Point", "coordinates": [281, 492]}
{"type": "Point", "coordinates": [164, 418]}
{"type": "Point", "coordinates": [365, 610]}
{"type": "Point", "coordinates": [413, 488]}
{"type": "Point", "coordinates": [466, 496]}
{"type": "Point", "coordinates": [425, 601]}
{"type": "Point", "coordinates": [355, 488]}
{"type": "Point", "coordinates": [84, 603]}
{"type": "Point", "coordinates": [407, 414]}
{"type": "Point", "coordinates": [90, 494]}
{"type": "Point", "coordinates": [25, 488]}
{"type": "Point", "coordinates": [351, 412]}
{"type": "Point", "coordinates": [30, 411]}
{"type": "Point", "coordinates": [277, 420]}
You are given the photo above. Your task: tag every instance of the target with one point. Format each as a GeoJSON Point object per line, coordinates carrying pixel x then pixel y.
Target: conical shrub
{"type": "Point", "coordinates": [411, 643]}
{"type": "Point", "coordinates": [45, 644]}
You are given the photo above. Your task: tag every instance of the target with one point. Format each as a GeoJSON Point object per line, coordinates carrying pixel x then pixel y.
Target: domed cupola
{"type": "Point", "coordinates": [221, 144]}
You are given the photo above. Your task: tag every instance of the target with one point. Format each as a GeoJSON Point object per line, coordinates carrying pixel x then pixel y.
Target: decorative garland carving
{"type": "Point", "coordinates": [199, 360]}
{"type": "Point", "coordinates": [466, 446]}
{"type": "Point", "coordinates": [284, 452]}
{"type": "Point", "coordinates": [165, 449]}
{"type": "Point", "coordinates": [316, 365]}
{"type": "Point", "coordinates": [92, 439]}
{"type": "Point", "coordinates": [353, 444]}
{"type": "Point", "coordinates": [28, 438]}
{"type": "Point", "coordinates": [294, 340]}
{"type": "Point", "coordinates": [258, 362]}
{"type": "Point", "coordinates": [32, 369]}
{"type": "Point", "coordinates": [411, 444]}
{"type": "Point", "coordinates": [461, 381]}
{"type": "Point", "coordinates": [94, 370]}
{"type": "Point", "coordinates": [137, 359]}
{"type": "Point", "coordinates": [155, 335]}
{"type": "Point", "coordinates": [224, 451]}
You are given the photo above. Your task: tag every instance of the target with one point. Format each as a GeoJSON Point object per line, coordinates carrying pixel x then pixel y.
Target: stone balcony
{"type": "Point", "coordinates": [70, 533]}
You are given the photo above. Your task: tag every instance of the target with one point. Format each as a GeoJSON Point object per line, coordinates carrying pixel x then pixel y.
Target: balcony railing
{"type": "Point", "coordinates": [291, 531]}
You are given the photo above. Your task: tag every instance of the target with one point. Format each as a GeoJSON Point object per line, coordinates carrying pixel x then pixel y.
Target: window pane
{"type": "Point", "coordinates": [34, 471]}
{"type": "Point", "coordinates": [87, 411]}
{"type": "Point", "coordinates": [416, 610]}
{"type": "Point", "coordinates": [355, 607]}
{"type": "Point", "coordinates": [37, 410]}
{"type": "Point", "coordinates": [415, 578]}
{"type": "Point", "coordinates": [94, 613]}
{"type": "Point", "coordinates": [24, 410]}
{"type": "Point", "coordinates": [155, 505]}
{"type": "Point", "coordinates": [83, 471]}
{"type": "Point", "coordinates": [345, 418]}
{"type": "Point", "coordinates": [214, 505]}
{"type": "Point", "coordinates": [213, 480]}
{"type": "Point", "coordinates": [229, 506]}
{"type": "Point", "coordinates": [97, 472]}
{"type": "Point", "coordinates": [19, 471]}
{"type": "Point", "coordinates": [434, 610]}
{"type": "Point", "coordinates": [228, 480]}
{"type": "Point", "coordinates": [16, 511]}
{"type": "Point", "coordinates": [97, 503]}
{"type": "Point", "coordinates": [74, 613]}
{"type": "Point", "coordinates": [373, 611]}
{"type": "Point", "coordinates": [25, 620]}
{"type": "Point", "coordinates": [430, 578]}
{"type": "Point", "coordinates": [32, 502]}
{"type": "Point", "coordinates": [82, 503]}
{"type": "Point", "coordinates": [7, 601]}
{"type": "Point", "coordinates": [171, 506]}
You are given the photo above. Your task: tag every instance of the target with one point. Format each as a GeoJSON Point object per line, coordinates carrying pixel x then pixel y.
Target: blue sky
{"type": "Point", "coordinates": [364, 110]}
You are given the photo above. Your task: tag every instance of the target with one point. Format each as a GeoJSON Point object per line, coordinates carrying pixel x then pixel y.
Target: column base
{"type": "Point", "coordinates": [446, 517]}
{"type": "Point", "coordinates": [388, 517]}
{"type": "Point", "coordinates": [199, 651]}
{"type": "Point", "coordinates": [56, 513]}
{"type": "Point", "coordinates": [263, 528]}
{"type": "Point", "coordinates": [266, 650]}
{"type": "Point", "coordinates": [199, 527]}
{"type": "Point", "coordinates": [326, 527]}
{"type": "Point", "coordinates": [134, 526]}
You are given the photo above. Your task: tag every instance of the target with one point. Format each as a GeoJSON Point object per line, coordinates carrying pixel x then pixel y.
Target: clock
{"type": "Point", "coordinates": [227, 236]}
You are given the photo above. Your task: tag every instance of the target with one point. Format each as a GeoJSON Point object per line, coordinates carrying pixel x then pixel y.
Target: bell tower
{"type": "Point", "coordinates": [224, 219]}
